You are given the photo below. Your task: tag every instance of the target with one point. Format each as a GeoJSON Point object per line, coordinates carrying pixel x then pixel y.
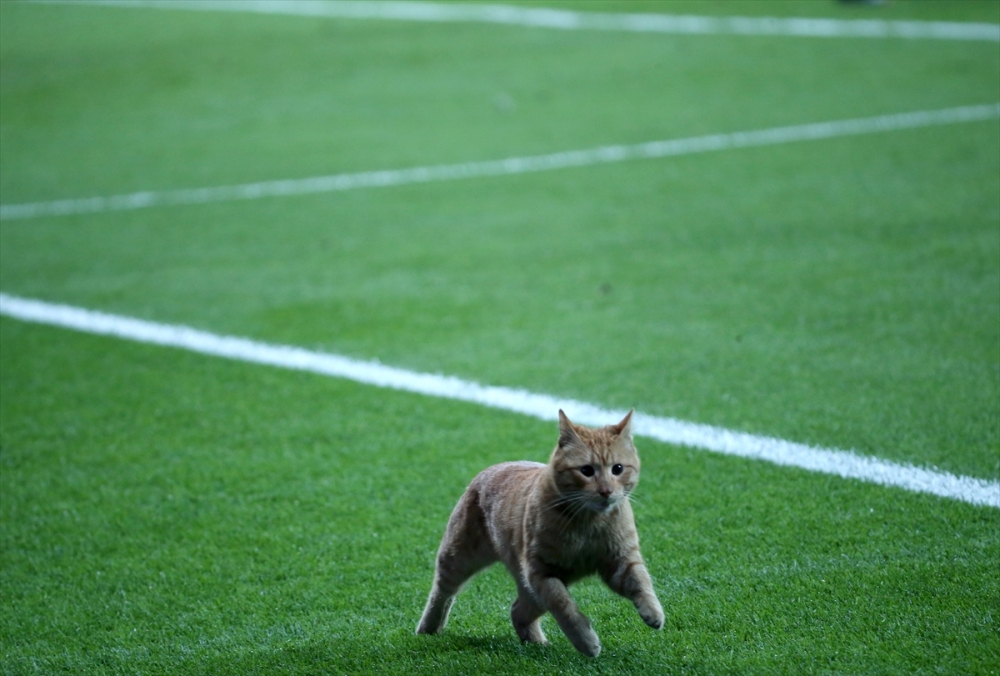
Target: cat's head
{"type": "Point", "coordinates": [594, 469]}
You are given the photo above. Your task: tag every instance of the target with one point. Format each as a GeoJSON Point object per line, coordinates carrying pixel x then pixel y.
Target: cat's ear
{"type": "Point", "coordinates": [624, 428]}
{"type": "Point", "coordinates": [567, 433]}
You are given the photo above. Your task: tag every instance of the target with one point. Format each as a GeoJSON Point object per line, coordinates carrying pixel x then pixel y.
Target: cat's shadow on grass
{"type": "Point", "coordinates": [441, 654]}
{"type": "Point", "coordinates": [448, 653]}
{"type": "Point", "coordinates": [492, 645]}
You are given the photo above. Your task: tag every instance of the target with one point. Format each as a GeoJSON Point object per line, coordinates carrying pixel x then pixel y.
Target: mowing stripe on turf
{"type": "Point", "coordinates": [845, 464]}
{"type": "Point", "coordinates": [562, 19]}
{"type": "Point", "coordinates": [509, 166]}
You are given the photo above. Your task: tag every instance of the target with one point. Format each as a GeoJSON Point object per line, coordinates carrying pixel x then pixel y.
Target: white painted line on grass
{"type": "Point", "coordinates": [845, 464]}
{"type": "Point", "coordinates": [509, 166]}
{"type": "Point", "coordinates": [563, 19]}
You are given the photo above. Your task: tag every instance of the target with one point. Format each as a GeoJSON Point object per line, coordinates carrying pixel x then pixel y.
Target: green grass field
{"type": "Point", "coordinates": [163, 512]}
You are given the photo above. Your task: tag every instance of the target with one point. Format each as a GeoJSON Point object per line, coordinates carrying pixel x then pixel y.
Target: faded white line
{"type": "Point", "coordinates": [562, 19]}
{"type": "Point", "coordinates": [509, 166]}
{"type": "Point", "coordinates": [840, 463]}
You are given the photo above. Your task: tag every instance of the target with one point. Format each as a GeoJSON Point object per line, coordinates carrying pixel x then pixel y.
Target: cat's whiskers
{"type": "Point", "coordinates": [568, 500]}
{"type": "Point", "coordinates": [570, 505]}
{"type": "Point", "coordinates": [578, 508]}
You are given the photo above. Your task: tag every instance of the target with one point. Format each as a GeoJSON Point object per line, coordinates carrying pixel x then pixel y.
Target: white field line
{"type": "Point", "coordinates": [845, 464]}
{"type": "Point", "coordinates": [562, 19]}
{"type": "Point", "coordinates": [509, 166]}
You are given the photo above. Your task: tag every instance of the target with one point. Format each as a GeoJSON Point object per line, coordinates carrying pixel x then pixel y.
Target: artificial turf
{"type": "Point", "coordinates": [162, 512]}
{"type": "Point", "coordinates": [172, 513]}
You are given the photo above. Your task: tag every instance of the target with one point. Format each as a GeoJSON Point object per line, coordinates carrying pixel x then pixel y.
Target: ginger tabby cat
{"type": "Point", "coordinates": [551, 525]}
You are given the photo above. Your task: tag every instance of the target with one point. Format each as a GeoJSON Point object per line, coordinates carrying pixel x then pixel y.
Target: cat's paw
{"type": "Point", "coordinates": [531, 633]}
{"type": "Point", "coordinates": [425, 627]}
{"type": "Point", "coordinates": [652, 613]}
{"type": "Point", "coordinates": [587, 643]}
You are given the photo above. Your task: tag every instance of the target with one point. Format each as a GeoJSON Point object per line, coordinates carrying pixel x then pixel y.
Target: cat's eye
{"type": "Point", "coordinates": [587, 470]}
{"type": "Point", "coordinates": [617, 469]}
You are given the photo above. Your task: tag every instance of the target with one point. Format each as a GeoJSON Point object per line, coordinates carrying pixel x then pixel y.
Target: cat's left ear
{"type": "Point", "coordinates": [624, 428]}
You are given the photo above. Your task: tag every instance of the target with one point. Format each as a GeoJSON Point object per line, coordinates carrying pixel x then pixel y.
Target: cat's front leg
{"type": "Point", "coordinates": [524, 614]}
{"type": "Point", "coordinates": [629, 577]}
{"type": "Point", "coordinates": [553, 594]}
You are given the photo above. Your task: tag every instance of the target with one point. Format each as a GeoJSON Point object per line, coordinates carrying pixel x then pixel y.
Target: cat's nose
{"type": "Point", "coordinates": [604, 491]}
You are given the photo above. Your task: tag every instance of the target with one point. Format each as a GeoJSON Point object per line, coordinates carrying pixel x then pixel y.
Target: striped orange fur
{"type": "Point", "coordinates": [551, 525]}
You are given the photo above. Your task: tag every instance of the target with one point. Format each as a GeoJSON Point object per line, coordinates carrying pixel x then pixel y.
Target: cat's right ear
{"type": "Point", "coordinates": [567, 434]}
{"type": "Point", "coordinates": [624, 428]}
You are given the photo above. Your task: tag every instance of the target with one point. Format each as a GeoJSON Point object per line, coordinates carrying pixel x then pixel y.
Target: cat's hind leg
{"type": "Point", "coordinates": [465, 550]}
